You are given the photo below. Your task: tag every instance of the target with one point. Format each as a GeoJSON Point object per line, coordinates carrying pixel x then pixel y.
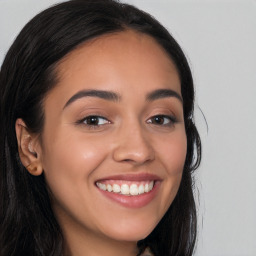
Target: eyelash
{"type": "Point", "coordinates": [93, 125]}
{"type": "Point", "coordinates": [166, 120]}
{"type": "Point", "coordinates": [158, 120]}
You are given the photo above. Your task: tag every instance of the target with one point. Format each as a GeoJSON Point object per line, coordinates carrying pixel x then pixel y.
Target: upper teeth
{"type": "Point", "coordinates": [126, 189]}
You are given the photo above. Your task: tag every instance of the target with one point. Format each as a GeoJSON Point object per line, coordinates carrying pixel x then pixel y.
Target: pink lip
{"type": "Point", "coordinates": [132, 201]}
{"type": "Point", "coordinates": [133, 177]}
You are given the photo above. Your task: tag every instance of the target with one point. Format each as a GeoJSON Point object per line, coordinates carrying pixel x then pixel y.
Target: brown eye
{"type": "Point", "coordinates": [158, 120]}
{"type": "Point", "coordinates": [95, 120]}
{"type": "Point", "coordinates": [162, 120]}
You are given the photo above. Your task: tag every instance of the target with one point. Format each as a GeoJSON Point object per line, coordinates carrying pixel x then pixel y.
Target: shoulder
{"type": "Point", "coordinates": [147, 252]}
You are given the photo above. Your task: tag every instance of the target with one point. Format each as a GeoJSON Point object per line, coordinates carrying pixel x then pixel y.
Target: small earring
{"type": "Point", "coordinates": [31, 168]}
{"type": "Point", "coordinates": [35, 168]}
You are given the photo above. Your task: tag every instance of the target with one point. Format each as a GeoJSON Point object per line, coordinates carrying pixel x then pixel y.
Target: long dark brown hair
{"type": "Point", "coordinates": [27, 223]}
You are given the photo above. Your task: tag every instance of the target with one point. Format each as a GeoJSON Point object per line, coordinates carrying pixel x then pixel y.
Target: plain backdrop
{"type": "Point", "coordinates": [219, 39]}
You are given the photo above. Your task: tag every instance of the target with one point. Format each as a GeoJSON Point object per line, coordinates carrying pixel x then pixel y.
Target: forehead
{"type": "Point", "coordinates": [120, 46]}
{"type": "Point", "coordinates": [125, 62]}
{"type": "Point", "coordinates": [125, 42]}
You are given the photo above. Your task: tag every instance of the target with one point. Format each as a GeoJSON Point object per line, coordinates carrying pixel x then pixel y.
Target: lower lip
{"type": "Point", "coordinates": [133, 201]}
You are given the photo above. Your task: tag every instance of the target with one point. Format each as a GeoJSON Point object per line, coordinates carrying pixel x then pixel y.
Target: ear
{"type": "Point", "coordinates": [28, 147]}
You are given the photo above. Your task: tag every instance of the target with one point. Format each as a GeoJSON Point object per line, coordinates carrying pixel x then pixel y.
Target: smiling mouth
{"type": "Point", "coordinates": [127, 188]}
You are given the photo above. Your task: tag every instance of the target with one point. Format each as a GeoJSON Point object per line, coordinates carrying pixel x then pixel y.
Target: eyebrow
{"type": "Point", "coordinates": [106, 95]}
{"type": "Point", "coordinates": [113, 96]}
{"type": "Point", "coordinates": [163, 93]}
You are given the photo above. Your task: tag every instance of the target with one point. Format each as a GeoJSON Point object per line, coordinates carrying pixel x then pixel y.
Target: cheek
{"type": "Point", "coordinates": [173, 153]}
{"type": "Point", "coordinates": [71, 160]}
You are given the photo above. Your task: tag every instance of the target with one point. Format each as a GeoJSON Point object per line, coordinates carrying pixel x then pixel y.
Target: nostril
{"type": "Point", "coordinates": [133, 148]}
{"type": "Point", "coordinates": [134, 157]}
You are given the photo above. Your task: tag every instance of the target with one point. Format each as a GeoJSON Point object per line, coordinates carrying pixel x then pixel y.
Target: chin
{"type": "Point", "coordinates": [131, 232]}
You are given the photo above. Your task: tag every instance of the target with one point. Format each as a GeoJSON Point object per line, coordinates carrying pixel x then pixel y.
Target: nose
{"type": "Point", "coordinates": [133, 146]}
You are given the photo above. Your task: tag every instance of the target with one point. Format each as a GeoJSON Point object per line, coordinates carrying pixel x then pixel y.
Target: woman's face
{"type": "Point", "coordinates": [113, 129]}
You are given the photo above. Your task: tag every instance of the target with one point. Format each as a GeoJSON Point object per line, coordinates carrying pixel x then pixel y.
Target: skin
{"type": "Point", "coordinates": [73, 155]}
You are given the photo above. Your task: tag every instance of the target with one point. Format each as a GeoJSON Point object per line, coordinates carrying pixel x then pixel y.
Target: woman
{"type": "Point", "coordinates": [98, 142]}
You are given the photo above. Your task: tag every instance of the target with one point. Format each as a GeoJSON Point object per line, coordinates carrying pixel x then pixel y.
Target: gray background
{"type": "Point", "coordinates": [219, 38]}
